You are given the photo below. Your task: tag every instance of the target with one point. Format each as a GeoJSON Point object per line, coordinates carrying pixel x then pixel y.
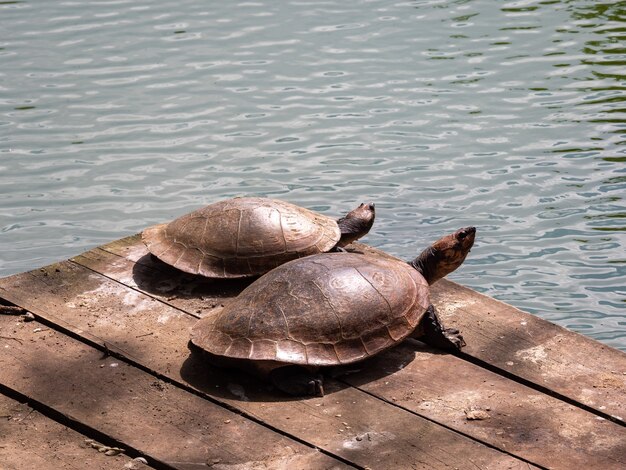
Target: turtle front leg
{"type": "Point", "coordinates": [297, 381]}
{"type": "Point", "coordinates": [434, 334]}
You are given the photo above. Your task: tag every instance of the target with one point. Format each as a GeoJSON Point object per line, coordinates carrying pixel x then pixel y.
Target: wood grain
{"type": "Point", "coordinates": [347, 422]}
{"type": "Point", "coordinates": [150, 415]}
{"type": "Point", "coordinates": [30, 440]}
{"type": "Point", "coordinates": [448, 390]}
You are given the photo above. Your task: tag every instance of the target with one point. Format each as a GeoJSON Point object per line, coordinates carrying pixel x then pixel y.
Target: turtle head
{"type": "Point", "coordinates": [356, 223]}
{"type": "Point", "coordinates": [445, 255]}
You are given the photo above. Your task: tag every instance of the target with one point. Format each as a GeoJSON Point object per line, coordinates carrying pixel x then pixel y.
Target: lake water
{"type": "Point", "coordinates": [510, 116]}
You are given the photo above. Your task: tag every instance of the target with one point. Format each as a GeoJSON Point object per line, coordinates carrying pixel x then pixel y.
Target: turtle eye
{"type": "Point", "coordinates": [465, 232]}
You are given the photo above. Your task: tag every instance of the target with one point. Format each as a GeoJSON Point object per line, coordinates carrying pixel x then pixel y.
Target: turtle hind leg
{"type": "Point", "coordinates": [434, 334]}
{"type": "Point", "coordinates": [297, 381]}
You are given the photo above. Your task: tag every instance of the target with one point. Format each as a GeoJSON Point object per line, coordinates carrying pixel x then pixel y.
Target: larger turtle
{"type": "Point", "coordinates": [249, 236]}
{"type": "Point", "coordinates": [331, 309]}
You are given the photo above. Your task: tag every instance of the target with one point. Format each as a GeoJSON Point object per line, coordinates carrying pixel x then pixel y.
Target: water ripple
{"type": "Point", "coordinates": [115, 115]}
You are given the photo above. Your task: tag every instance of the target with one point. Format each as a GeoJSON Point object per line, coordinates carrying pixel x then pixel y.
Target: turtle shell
{"type": "Point", "coordinates": [241, 237]}
{"type": "Point", "coordinates": [326, 309]}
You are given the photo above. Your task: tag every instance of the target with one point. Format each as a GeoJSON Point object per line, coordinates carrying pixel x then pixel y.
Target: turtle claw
{"type": "Point", "coordinates": [296, 381]}
{"type": "Point", "coordinates": [317, 387]}
{"type": "Point", "coordinates": [436, 335]}
{"type": "Point", "coordinates": [454, 337]}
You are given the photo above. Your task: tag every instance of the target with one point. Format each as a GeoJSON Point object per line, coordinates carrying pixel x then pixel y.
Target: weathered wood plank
{"type": "Point", "coordinates": [134, 407]}
{"type": "Point", "coordinates": [493, 409]}
{"type": "Point", "coordinates": [536, 350]}
{"type": "Point", "coordinates": [347, 422]}
{"type": "Point", "coordinates": [496, 333]}
{"type": "Point", "coordinates": [539, 428]}
{"type": "Point", "coordinates": [30, 440]}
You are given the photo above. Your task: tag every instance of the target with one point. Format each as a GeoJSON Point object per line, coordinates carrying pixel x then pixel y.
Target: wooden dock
{"type": "Point", "coordinates": [104, 366]}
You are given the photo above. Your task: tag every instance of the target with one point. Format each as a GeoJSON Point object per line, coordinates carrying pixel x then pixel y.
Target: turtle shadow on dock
{"type": "Point", "coordinates": [234, 384]}
{"type": "Point", "coordinates": [160, 279]}
{"type": "Point", "coordinates": [388, 362]}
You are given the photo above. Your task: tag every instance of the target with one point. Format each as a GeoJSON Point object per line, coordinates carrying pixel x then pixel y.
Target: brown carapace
{"type": "Point", "coordinates": [330, 309]}
{"type": "Point", "coordinates": [249, 236]}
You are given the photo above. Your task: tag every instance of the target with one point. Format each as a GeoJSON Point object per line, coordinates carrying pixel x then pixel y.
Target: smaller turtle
{"type": "Point", "coordinates": [248, 236]}
{"type": "Point", "coordinates": [328, 310]}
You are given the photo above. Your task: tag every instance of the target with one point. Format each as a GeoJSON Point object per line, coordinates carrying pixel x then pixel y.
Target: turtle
{"type": "Point", "coordinates": [248, 236]}
{"type": "Point", "coordinates": [328, 310]}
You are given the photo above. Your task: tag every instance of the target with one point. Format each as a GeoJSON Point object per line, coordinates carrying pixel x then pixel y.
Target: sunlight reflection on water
{"type": "Point", "coordinates": [118, 115]}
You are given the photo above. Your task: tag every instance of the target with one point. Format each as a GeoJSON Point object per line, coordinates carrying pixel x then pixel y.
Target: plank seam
{"type": "Point", "coordinates": [114, 352]}
{"type": "Point", "coordinates": [473, 360]}
{"type": "Point", "coordinates": [147, 294]}
{"type": "Point", "coordinates": [81, 428]}
{"type": "Point", "coordinates": [539, 388]}
{"type": "Point", "coordinates": [449, 428]}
